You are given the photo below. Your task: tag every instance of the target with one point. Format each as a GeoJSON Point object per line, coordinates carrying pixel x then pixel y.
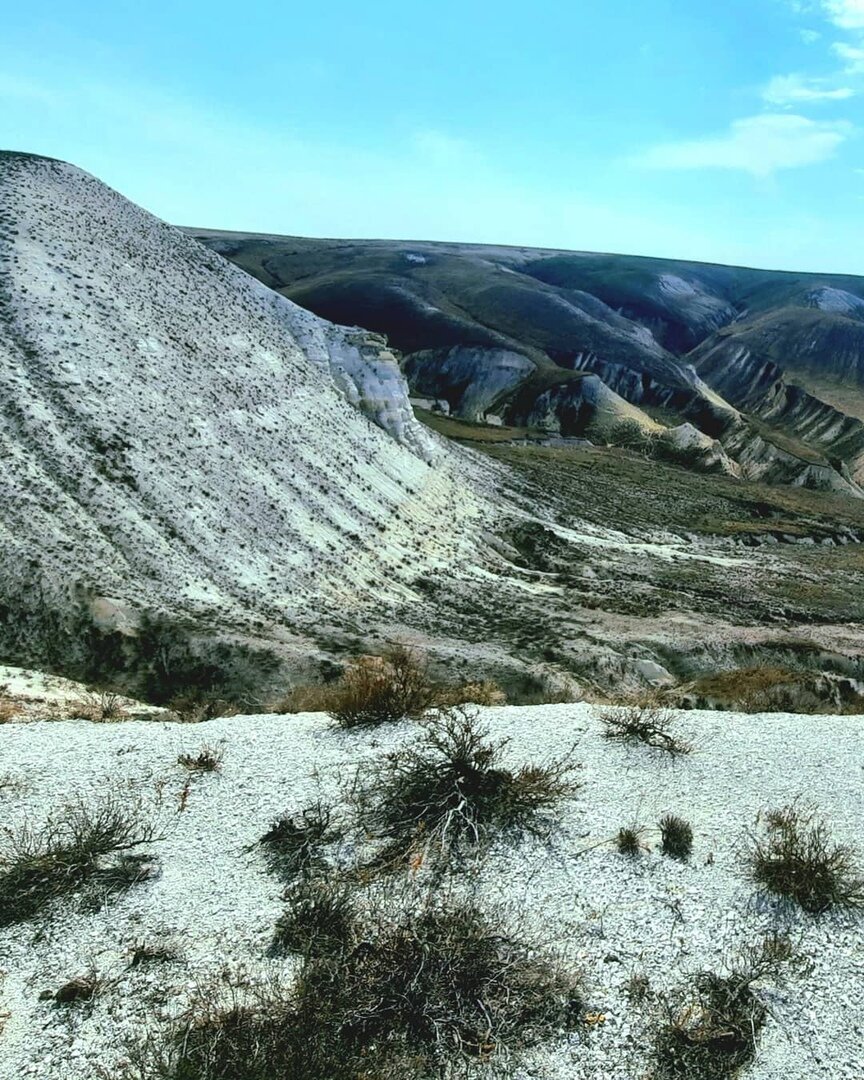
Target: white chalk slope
{"type": "Point", "coordinates": [172, 431]}
{"type": "Point", "coordinates": [611, 915]}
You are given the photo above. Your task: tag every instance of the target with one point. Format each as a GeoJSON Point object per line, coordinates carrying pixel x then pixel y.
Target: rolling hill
{"type": "Point", "coordinates": [771, 364]}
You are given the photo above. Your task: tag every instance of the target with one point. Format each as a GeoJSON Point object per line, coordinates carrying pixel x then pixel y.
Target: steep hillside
{"type": "Point", "coordinates": [503, 334]}
{"type": "Point", "coordinates": [176, 436]}
{"type": "Point", "coordinates": [206, 488]}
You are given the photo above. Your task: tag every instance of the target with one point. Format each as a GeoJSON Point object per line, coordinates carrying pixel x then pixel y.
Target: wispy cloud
{"type": "Point", "coordinates": [759, 145]}
{"type": "Point", "coordinates": [852, 56]}
{"type": "Point", "coordinates": [786, 90]}
{"type": "Point", "coordinates": [847, 14]}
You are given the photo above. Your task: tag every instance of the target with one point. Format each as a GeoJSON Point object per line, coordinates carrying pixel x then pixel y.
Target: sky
{"type": "Point", "coordinates": [725, 132]}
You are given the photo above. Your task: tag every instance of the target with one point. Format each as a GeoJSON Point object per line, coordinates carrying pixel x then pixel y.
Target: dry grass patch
{"type": "Point", "coordinates": [320, 919]}
{"type": "Point", "coordinates": [383, 689]}
{"type": "Point", "coordinates": [293, 846]}
{"type": "Point", "coordinates": [711, 1032]}
{"type": "Point", "coordinates": [99, 706]}
{"type": "Point", "coordinates": [208, 759]}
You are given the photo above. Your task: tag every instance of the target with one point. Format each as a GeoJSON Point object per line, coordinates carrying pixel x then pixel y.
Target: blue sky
{"type": "Point", "coordinates": [728, 132]}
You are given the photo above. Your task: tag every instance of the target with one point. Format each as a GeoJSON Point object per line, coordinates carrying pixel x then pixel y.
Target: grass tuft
{"type": "Point", "coordinates": [414, 997]}
{"type": "Point", "coordinates": [320, 920]}
{"type": "Point", "coordinates": [208, 759]}
{"type": "Point", "coordinates": [629, 840]}
{"type": "Point", "coordinates": [676, 837]}
{"type": "Point", "coordinates": [293, 845]}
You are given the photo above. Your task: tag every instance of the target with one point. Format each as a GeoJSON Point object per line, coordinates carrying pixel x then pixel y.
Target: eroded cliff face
{"type": "Point", "coordinates": [470, 380]}
{"type": "Point", "coordinates": [759, 386]}
{"type": "Point", "coordinates": [176, 435]}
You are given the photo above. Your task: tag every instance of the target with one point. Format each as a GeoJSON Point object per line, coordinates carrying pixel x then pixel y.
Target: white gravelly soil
{"type": "Point", "coordinates": [610, 915]}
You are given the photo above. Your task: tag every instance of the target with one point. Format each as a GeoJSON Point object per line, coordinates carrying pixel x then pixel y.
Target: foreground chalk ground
{"type": "Point", "coordinates": [610, 915]}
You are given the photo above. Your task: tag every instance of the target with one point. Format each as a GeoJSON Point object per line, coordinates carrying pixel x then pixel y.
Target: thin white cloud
{"type": "Point", "coordinates": [786, 90]}
{"type": "Point", "coordinates": [852, 56]}
{"type": "Point", "coordinates": [810, 37]}
{"type": "Point", "coordinates": [847, 14]}
{"type": "Point", "coordinates": [759, 145]}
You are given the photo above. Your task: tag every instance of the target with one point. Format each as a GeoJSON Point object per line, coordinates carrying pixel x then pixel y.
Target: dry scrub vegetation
{"type": "Point", "coordinates": [648, 724]}
{"type": "Point", "coordinates": [794, 857]}
{"type": "Point", "coordinates": [71, 850]}
{"type": "Point", "coordinates": [410, 996]}
{"type": "Point", "coordinates": [450, 790]}
{"type": "Point", "coordinates": [712, 1027]}
{"type": "Point", "coordinates": [381, 689]}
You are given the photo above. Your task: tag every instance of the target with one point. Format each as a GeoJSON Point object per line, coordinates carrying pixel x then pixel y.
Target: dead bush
{"type": "Point", "coordinates": [293, 846]}
{"type": "Point", "coordinates": [649, 725]}
{"type": "Point", "coordinates": [449, 790]}
{"type": "Point", "coordinates": [198, 708]}
{"type": "Point", "coordinates": [319, 920]}
{"type": "Point", "coordinates": [378, 690]}
{"type": "Point", "coordinates": [413, 998]}
{"type": "Point", "coordinates": [711, 1031]}
{"type": "Point", "coordinates": [208, 759]}
{"type": "Point", "coordinates": [39, 866]}
{"type": "Point", "coordinates": [795, 857]}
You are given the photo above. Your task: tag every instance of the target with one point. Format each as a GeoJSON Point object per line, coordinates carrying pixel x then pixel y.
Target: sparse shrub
{"type": "Point", "coordinates": [796, 858]}
{"type": "Point", "coordinates": [81, 988]}
{"type": "Point", "coordinates": [144, 952]}
{"type": "Point", "coordinates": [637, 987]}
{"type": "Point", "coordinates": [368, 693]}
{"type": "Point", "coordinates": [412, 999]}
{"type": "Point", "coordinates": [99, 707]}
{"type": "Point", "coordinates": [208, 759]}
{"type": "Point", "coordinates": [66, 853]}
{"type": "Point", "coordinates": [293, 845]}
{"type": "Point", "coordinates": [8, 710]}
{"type": "Point", "coordinates": [629, 840]}
{"type": "Point", "coordinates": [377, 690]}
{"type": "Point", "coordinates": [711, 1033]}
{"type": "Point", "coordinates": [676, 837]}
{"type": "Point", "coordinates": [319, 920]}
{"type": "Point", "coordinates": [449, 789]}
{"type": "Point", "coordinates": [645, 724]}
{"type": "Point", "coordinates": [198, 708]}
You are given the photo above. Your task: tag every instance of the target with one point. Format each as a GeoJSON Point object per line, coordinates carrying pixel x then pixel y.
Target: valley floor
{"type": "Point", "coordinates": [611, 916]}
